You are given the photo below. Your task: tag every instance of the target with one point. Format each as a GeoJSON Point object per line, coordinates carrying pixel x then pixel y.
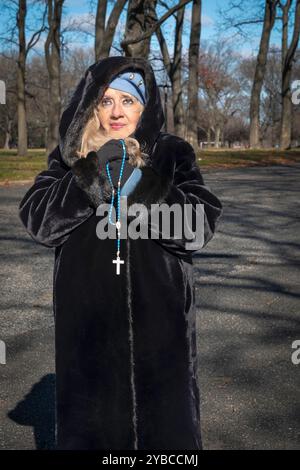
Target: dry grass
{"type": "Point", "coordinates": [220, 158]}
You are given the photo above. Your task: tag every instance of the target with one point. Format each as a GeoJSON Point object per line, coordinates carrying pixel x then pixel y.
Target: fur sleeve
{"type": "Point", "coordinates": [55, 204]}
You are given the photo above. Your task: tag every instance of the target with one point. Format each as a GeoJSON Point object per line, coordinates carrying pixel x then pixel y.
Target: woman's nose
{"type": "Point", "coordinates": [116, 110]}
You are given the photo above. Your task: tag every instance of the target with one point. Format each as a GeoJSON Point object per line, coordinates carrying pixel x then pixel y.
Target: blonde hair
{"type": "Point", "coordinates": [94, 135]}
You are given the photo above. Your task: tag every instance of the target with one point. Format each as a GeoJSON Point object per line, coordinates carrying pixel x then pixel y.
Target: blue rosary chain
{"type": "Point", "coordinates": [118, 194]}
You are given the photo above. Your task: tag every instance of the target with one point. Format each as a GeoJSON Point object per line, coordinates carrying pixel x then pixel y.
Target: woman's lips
{"type": "Point", "coordinates": [117, 126]}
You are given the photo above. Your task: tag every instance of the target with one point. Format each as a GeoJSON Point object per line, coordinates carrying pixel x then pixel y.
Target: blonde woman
{"type": "Point", "coordinates": [125, 340]}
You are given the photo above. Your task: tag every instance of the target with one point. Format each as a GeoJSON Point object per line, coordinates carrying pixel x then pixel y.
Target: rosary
{"type": "Point", "coordinates": [117, 261]}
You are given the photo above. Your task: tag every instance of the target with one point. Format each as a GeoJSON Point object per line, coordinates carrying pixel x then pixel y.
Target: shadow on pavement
{"type": "Point", "coordinates": [37, 409]}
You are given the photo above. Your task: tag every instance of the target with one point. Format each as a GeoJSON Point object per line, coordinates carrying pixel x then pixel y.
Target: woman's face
{"type": "Point", "coordinates": [119, 113]}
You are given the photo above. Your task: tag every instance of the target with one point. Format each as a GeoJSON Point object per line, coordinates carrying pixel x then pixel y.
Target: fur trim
{"type": "Point", "coordinates": [93, 182]}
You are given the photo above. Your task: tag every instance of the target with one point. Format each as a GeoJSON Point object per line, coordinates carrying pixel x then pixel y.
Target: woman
{"type": "Point", "coordinates": [126, 357]}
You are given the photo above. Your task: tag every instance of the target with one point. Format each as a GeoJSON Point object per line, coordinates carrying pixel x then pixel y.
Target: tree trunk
{"type": "Point", "coordinates": [8, 134]}
{"type": "Point", "coordinates": [193, 85]}
{"type": "Point", "coordinates": [217, 136]}
{"type": "Point", "coordinates": [175, 76]}
{"type": "Point", "coordinates": [288, 55]}
{"type": "Point", "coordinates": [140, 17]}
{"type": "Point", "coordinates": [269, 19]}
{"type": "Point", "coordinates": [100, 28]}
{"type": "Point", "coordinates": [104, 36]}
{"type": "Point", "coordinates": [174, 71]}
{"type": "Point", "coordinates": [21, 71]}
{"type": "Point", "coordinates": [209, 137]}
{"type": "Point", "coordinates": [52, 54]}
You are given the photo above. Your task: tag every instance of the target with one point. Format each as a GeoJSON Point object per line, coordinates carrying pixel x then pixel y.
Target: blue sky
{"type": "Point", "coordinates": [210, 19]}
{"type": "Point", "coordinates": [80, 10]}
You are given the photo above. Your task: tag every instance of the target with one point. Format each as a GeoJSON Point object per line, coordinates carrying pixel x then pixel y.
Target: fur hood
{"type": "Point", "coordinates": [155, 182]}
{"type": "Point", "coordinates": [88, 92]}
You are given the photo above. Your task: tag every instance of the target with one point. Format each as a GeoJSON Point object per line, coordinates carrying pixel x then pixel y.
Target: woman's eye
{"type": "Point", "coordinates": [108, 101]}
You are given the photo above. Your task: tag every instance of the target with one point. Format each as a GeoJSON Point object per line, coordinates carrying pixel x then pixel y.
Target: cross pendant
{"type": "Point", "coordinates": [118, 261]}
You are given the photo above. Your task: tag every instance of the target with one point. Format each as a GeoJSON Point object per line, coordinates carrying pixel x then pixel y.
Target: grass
{"type": "Point", "coordinates": [223, 158]}
{"type": "Point", "coordinates": [14, 168]}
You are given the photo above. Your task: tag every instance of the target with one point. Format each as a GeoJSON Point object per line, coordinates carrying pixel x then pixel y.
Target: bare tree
{"type": "Point", "coordinates": [53, 61]}
{"type": "Point", "coordinates": [14, 35]}
{"type": "Point", "coordinates": [240, 19]}
{"type": "Point", "coordinates": [104, 35]}
{"type": "Point", "coordinates": [21, 74]}
{"type": "Point", "coordinates": [22, 125]}
{"type": "Point", "coordinates": [288, 56]}
{"type": "Point", "coordinates": [220, 89]}
{"type": "Point", "coordinates": [271, 100]}
{"type": "Point", "coordinates": [174, 71]}
{"type": "Point", "coordinates": [191, 130]}
{"type": "Point", "coordinates": [269, 19]}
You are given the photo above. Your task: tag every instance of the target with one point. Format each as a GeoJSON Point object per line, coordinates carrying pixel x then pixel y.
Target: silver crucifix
{"type": "Point", "coordinates": [118, 261]}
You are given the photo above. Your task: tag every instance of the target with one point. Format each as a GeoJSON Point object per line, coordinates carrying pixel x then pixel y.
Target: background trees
{"type": "Point", "coordinates": [212, 94]}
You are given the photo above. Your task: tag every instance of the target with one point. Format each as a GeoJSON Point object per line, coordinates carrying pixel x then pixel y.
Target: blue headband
{"type": "Point", "coordinates": [130, 82]}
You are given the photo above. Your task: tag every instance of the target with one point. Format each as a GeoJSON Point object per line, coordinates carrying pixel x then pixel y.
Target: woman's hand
{"type": "Point", "coordinates": [91, 175]}
{"type": "Point", "coordinates": [112, 152]}
{"type": "Point", "coordinates": [111, 149]}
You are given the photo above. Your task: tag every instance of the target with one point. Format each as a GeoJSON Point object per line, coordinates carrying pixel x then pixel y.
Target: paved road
{"type": "Point", "coordinates": [248, 307]}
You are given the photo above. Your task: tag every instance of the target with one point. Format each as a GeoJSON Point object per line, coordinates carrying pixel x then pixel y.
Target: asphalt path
{"type": "Point", "coordinates": [247, 285]}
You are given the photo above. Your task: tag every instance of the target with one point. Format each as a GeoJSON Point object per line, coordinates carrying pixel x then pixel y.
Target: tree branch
{"type": "Point", "coordinates": [156, 25]}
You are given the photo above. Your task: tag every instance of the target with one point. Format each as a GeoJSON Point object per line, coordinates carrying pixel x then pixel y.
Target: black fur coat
{"type": "Point", "coordinates": [126, 355]}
